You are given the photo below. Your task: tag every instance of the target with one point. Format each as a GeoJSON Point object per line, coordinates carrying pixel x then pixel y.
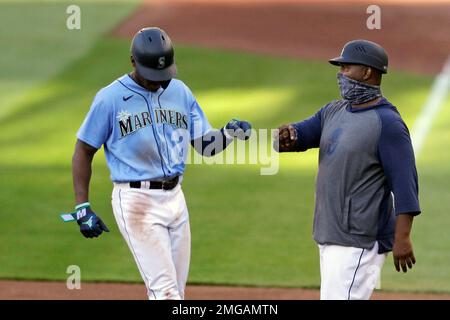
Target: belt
{"type": "Point", "coordinates": [165, 184]}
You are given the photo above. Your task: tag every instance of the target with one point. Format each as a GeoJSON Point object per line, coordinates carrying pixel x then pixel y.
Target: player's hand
{"type": "Point", "coordinates": [90, 224]}
{"type": "Point", "coordinates": [239, 129]}
{"type": "Point", "coordinates": [285, 139]}
{"type": "Point", "coordinates": [403, 254]}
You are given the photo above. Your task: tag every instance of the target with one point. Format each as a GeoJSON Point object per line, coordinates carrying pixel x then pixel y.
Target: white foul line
{"type": "Point", "coordinates": [431, 108]}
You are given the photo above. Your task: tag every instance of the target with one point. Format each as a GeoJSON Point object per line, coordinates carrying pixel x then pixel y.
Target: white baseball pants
{"type": "Point", "coordinates": [155, 225]}
{"type": "Point", "coordinates": [349, 273]}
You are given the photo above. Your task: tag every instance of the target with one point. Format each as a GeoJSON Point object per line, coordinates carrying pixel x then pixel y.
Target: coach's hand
{"type": "Point", "coordinates": [285, 140]}
{"type": "Point", "coordinates": [90, 224]}
{"type": "Point", "coordinates": [403, 248]}
{"type": "Point", "coordinates": [239, 129]}
{"type": "Point", "coordinates": [403, 253]}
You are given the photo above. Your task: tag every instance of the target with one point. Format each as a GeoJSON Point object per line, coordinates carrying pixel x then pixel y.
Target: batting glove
{"type": "Point", "coordinates": [238, 129]}
{"type": "Point", "coordinates": [90, 224]}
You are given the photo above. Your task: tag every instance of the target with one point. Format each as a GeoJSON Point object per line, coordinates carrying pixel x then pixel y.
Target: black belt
{"type": "Point", "coordinates": [165, 185]}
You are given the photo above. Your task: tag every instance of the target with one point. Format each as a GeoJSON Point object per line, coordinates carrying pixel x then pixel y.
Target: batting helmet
{"type": "Point", "coordinates": [153, 54]}
{"type": "Point", "coordinates": [363, 52]}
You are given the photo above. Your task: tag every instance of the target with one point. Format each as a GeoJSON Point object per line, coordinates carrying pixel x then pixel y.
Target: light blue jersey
{"type": "Point", "coordinates": [146, 135]}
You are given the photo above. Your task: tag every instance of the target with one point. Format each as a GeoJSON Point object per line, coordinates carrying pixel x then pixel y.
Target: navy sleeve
{"type": "Point", "coordinates": [397, 159]}
{"type": "Point", "coordinates": [309, 132]}
{"type": "Point", "coordinates": [212, 143]}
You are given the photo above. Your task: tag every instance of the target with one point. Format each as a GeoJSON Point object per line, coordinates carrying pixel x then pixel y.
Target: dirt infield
{"type": "Point", "coordinates": [415, 34]}
{"type": "Point", "coordinates": [35, 290]}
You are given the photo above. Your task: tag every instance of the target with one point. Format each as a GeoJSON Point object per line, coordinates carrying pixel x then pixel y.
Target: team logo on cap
{"type": "Point", "coordinates": [161, 62]}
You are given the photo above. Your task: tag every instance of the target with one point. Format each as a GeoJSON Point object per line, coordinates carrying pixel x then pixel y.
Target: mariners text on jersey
{"type": "Point", "coordinates": [129, 123]}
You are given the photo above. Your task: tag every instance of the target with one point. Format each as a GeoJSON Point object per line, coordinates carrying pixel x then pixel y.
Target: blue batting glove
{"type": "Point", "coordinates": [90, 224]}
{"type": "Point", "coordinates": [239, 129]}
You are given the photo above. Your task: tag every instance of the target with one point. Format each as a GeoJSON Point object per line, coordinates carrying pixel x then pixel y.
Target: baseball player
{"type": "Point", "coordinates": [146, 120]}
{"type": "Point", "coordinates": [367, 186]}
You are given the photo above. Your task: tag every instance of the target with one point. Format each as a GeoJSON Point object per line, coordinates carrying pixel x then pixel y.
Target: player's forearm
{"type": "Point", "coordinates": [403, 226]}
{"type": "Point", "coordinates": [212, 143]}
{"type": "Point", "coordinates": [81, 173]}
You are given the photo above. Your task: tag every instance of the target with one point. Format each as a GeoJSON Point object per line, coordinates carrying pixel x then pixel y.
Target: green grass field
{"type": "Point", "coordinates": [247, 229]}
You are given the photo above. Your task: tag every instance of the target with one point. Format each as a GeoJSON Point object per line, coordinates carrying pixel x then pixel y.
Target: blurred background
{"type": "Point", "coordinates": [264, 61]}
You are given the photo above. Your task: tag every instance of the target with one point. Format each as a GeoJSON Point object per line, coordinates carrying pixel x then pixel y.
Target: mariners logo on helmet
{"type": "Point", "coordinates": [153, 54]}
{"type": "Point", "coordinates": [161, 62]}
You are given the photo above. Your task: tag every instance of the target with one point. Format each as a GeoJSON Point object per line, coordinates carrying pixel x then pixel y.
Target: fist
{"type": "Point", "coordinates": [90, 224]}
{"type": "Point", "coordinates": [285, 139]}
{"type": "Point", "coordinates": [239, 129]}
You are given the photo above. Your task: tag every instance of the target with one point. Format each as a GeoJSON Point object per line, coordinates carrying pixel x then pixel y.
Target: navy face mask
{"type": "Point", "coordinates": [357, 92]}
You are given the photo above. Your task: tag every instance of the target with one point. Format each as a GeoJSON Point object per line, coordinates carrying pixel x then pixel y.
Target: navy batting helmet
{"type": "Point", "coordinates": [363, 52]}
{"type": "Point", "coordinates": [153, 54]}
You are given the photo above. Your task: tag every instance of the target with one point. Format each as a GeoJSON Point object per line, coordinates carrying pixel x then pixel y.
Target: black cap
{"type": "Point", "coordinates": [363, 52]}
{"type": "Point", "coordinates": [152, 51]}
